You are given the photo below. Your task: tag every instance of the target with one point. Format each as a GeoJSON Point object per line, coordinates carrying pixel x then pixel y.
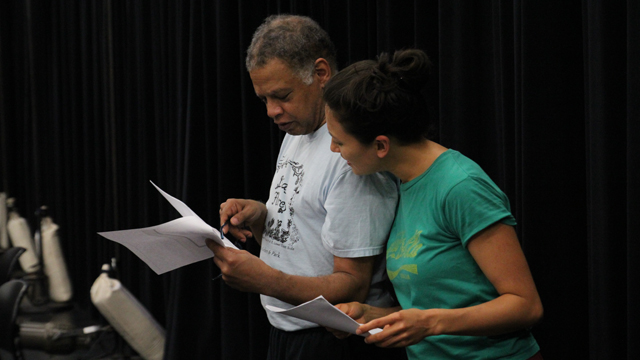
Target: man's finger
{"type": "Point", "coordinates": [214, 246]}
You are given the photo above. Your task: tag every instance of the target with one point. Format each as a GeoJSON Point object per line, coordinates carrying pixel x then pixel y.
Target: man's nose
{"type": "Point", "coordinates": [273, 110]}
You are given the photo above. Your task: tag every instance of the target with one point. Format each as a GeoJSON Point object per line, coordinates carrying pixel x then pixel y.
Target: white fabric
{"type": "Point", "coordinates": [54, 266]}
{"type": "Point", "coordinates": [318, 208]}
{"type": "Point", "coordinates": [4, 237]}
{"type": "Point", "coordinates": [20, 235]}
{"type": "Point", "coordinates": [130, 319]}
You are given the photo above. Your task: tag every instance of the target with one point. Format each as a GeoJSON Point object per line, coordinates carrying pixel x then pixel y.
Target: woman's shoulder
{"type": "Point", "coordinates": [456, 172]}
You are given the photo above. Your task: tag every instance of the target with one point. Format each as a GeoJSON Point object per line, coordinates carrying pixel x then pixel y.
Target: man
{"type": "Point", "coordinates": [323, 228]}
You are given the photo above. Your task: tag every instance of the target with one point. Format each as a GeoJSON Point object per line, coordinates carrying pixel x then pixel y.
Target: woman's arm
{"type": "Point", "coordinates": [498, 253]}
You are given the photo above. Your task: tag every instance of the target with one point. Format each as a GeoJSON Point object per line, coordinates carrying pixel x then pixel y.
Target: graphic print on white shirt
{"type": "Point", "coordinates": [286, 234]}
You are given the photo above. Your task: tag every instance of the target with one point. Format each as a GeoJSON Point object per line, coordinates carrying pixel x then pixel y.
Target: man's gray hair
{"type": "Point", "coordinates": [298, 41]}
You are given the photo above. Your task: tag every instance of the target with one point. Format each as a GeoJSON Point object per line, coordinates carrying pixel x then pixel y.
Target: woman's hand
{"type": "Point", "coordinates": [402, 328]}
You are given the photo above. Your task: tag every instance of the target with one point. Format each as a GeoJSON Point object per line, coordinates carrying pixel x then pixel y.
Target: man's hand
{"type": "Point", "coordinates": [355, 310]}
{"type": "Point", "coordinates": [361, 313]}
{"type": "Point", "coordinates": [240, 269]}
{"type": "Point", "coordinates": [240, 214]}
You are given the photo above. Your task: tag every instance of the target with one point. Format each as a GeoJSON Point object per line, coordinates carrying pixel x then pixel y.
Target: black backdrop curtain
{"type": "Point", "coordinates": [99, 97]}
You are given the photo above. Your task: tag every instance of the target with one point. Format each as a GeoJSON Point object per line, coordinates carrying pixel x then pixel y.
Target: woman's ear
{"type": "Point", "coordinates": [322, 71]}
{"type": "Point", "coordinates": [383, 145]}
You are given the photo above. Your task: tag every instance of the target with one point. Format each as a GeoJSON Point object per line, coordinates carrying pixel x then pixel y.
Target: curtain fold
{"type": "Point", "coordinates": [605, 49]}
{"type": "Point", "coordinates": [633, 179]}
{"type": "Point", "coordinates": [99, 97]}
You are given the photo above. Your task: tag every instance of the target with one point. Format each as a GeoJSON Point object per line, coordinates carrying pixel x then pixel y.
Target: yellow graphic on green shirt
{"type": "Point", "coordinates": [411, 268]}
{"type": "Point", "coordinates": [404, 248]}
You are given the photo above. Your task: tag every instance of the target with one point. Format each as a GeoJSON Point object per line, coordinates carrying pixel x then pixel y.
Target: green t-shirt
{"type": "Point", "coordinates": [428, 261]}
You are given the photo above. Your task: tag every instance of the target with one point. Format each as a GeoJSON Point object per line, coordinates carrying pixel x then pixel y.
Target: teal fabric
{"type": "Point", "coordinates": [429, 264]}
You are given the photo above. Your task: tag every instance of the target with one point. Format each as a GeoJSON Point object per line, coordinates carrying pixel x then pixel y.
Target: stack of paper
{"type": "Point", "coordinates": [321, 312]}
{"type": "Point", "coordinates": [173, 244]}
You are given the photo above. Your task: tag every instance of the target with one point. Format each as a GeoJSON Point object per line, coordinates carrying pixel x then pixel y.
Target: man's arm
{"type": "Point", "coordinates": [349, 281]}
{"type": "Point", "coordinates": [243, 271]}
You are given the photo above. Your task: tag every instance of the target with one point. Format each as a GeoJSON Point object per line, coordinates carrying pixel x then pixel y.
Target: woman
{"type": "Point", "coordinates": [463, 284]}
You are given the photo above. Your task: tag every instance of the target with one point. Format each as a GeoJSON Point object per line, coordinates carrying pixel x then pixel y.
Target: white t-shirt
{"type": "Point", "coordinates": [318, 208]}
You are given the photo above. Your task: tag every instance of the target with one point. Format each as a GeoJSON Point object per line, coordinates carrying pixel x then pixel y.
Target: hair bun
{"type": "Point", "coordinates": [383, 97]}
{"type": "Point", "coordinates": [383, 75]}
{"type": "Point", "coordinates": [411, 68]}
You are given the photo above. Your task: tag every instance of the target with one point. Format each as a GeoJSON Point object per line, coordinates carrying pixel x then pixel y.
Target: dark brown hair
{"type": "Point", "coordinates": [383, 97]}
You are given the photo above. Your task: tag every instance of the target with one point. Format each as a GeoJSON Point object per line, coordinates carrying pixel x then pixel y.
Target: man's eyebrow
{"type": "Point", "coordinates": [277, 92]}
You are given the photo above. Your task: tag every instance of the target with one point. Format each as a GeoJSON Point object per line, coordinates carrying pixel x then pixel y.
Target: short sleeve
{"type": "Point", "coordinates": [473, 205]}
{"type": "Point", "coordinates": [360, 212]}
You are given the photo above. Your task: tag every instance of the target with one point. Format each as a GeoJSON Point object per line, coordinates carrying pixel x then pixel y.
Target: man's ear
{"type": "Point", "coordinates": [322, 71]}
{"type": "Point", "coordinates": [383, 145]}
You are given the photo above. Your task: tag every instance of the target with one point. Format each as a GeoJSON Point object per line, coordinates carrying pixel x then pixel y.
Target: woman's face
{"type": "Point", "coordinates": [362, 158]}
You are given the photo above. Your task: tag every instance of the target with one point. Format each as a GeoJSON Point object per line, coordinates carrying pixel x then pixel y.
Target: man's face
{"type": "Point", "coordinates": [295, 107]}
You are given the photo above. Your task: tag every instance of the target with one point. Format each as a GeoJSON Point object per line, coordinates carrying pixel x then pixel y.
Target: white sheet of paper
{"type": "Point", "coordinates": [173, 244]}
{"type": "Point", "coordinates": [321, 312]}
